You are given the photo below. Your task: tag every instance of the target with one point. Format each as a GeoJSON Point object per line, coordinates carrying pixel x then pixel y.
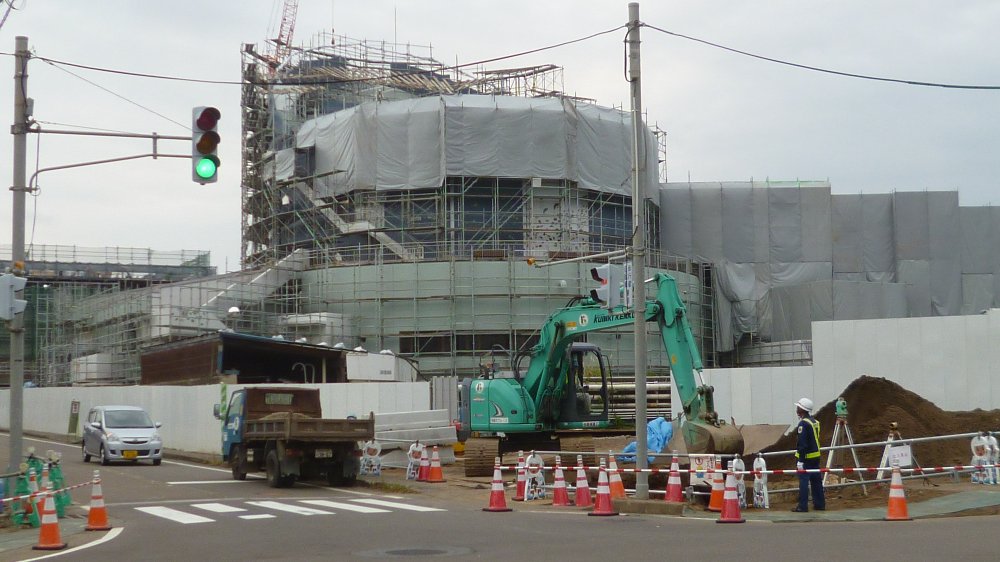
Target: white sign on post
{"type": "Point", "coordinates": [700, 464]}
{"type": "Point", "coordinates": [628, 284]}
{"type": "Point", "coordinates": [900, 455]}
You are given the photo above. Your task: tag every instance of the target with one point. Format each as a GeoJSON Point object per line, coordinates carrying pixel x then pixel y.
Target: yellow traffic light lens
{"type": "Point", "coordinates": [206, 168]}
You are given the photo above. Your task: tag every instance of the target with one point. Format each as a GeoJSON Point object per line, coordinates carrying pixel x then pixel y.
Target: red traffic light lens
{"type": "Point", "coordinates": [208, 118]}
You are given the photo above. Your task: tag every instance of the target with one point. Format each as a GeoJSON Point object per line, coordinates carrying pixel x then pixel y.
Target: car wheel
{"type": "Point", "coordinates": [156, 462]}
{"type": "Point", "coordinates": [86, 457]}
{"type": "Point", "coordinates": [104, 457]}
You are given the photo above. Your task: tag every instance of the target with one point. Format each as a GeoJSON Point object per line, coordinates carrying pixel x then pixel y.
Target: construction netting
{"type": "Point", "coordinates": [416, 143]}
{"type": "Point", "coordinates": [789, 253]}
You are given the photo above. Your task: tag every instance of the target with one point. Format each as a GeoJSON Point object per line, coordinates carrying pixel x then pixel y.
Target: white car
{"type": "Point", "coordinates": [121, 433]}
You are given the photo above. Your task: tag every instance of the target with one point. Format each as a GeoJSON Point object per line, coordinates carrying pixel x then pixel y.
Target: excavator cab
{"type": "Point", "coordinates": [585, 396]}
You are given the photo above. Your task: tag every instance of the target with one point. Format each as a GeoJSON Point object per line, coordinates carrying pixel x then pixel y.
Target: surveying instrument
{"type": "Point", "coordinates": [842, 432]}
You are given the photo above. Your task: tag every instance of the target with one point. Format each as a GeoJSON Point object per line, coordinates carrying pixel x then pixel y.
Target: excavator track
{"type": "Point", "coordinates": [480, 455]}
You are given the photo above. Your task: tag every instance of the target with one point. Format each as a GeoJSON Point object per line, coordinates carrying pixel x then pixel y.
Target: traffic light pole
{"type": "Point", "coordinates": [16, 325]}
{"type": "Point", "coordinates": [638, 254]}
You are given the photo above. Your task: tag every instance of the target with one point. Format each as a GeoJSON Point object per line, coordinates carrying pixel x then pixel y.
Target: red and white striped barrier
{"type": "Point", "coordinates": [39, 494]}
{"type": "Point", "coordinates": [845, 470]}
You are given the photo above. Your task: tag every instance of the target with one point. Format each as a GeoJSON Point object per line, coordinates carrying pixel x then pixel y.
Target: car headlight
{"type": "Point", "coordinates": [112, 436]}
{"type": "Point", "coordinates": [156, 437]}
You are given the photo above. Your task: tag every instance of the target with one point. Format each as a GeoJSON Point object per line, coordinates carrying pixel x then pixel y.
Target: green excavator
{"type": "Point", "coordinates": [551, 403]}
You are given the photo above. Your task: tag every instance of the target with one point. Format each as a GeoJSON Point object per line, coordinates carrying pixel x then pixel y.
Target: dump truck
{"type": "Point", "coordinates": [281, 430]}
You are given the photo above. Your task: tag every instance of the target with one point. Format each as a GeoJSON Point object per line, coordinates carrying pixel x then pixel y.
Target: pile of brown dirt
{"type": "Point", "coordinates": [873, 403]}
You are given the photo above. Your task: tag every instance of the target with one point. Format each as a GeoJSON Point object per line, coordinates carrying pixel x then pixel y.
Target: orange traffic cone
{"type": "Point", "coordinates": [674, 492]}
{"type": "Point", "coordinates": [97, 519]}
{"type": "Point", "coordinates": [582, 496]}
{"type": "Point", "coordinates": [731, 502]}
{"type": "Point", "coordinates": [497, 500]}
{"type": "Point", "coordinates": [522, 478]}
{"type": "Point", "coordinates": [435, 476]}
{"type": "Point", "coordinates": [897, 499]}
{"type": "Point", "coordinates": [560, 497]}
{"type": "Point", "coordinates": [715, 501]}
{"type": "Point", "coordinates": [615, 480]}
{"type": "Point", "coordinates": [603, 504]}
{"type": "Point", "coordinates": [425, 466]}
{"type": "Point", "coordinates": [48, 534]}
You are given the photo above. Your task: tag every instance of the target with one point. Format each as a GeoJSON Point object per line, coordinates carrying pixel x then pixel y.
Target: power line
{"type": "Point", "coordinates": [117, 95]}
{"type": "Point", "coordinates": [56, 62]}
{"type": "Point", "coordinates": [825, 70]}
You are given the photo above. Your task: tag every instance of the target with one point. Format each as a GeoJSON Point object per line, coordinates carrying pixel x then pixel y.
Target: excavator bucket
{"type": "Point", "coordinates": [708, 438]}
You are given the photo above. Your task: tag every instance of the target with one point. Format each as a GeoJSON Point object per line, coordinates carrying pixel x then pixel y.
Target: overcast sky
{"type": "Point", "coordinates": [728, 117]}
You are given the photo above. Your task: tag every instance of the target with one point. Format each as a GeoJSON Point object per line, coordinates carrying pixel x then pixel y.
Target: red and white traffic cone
{"type": "Point", "coordinates": [97, 518]}
{"type": "Point", "coordinates": [48, 534]}
{"type": "Point", "coordinates": [603, 505]}
{"type": "Point", "coordinates": [897, 510]}
{"type": "Point", "coordinates": [582, 495]}
{"type": "Point", "coordinates": [560, 497]}
{"type": "Point", "coordinates": [675, 493]}
{"type": "Point", "coordinates": [435, 475]}
{"type": "Point", "coordinates": [522, 478]}
{"type": "Point", "coordinates": [731, 502]}
{"type": "Point", "coordinates": [425, 466]}
{"type": "Point", "coordinates": [718, 491]}
{"type": "Point", "coordinates": [498, 501]}
{"type": "Point", "coordinates": [615, 479]}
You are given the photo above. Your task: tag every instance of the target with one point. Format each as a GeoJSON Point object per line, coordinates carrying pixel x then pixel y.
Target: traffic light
{"type": "Point", "coordinates": [205, 144]}
{"type": "Point", "coordinates": [9, 304]}
{"type": "Point", "coordinates": [610, 278]}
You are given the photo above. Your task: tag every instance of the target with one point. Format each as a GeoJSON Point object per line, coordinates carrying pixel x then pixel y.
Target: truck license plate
{"type": "Point", "coordinates": [324, 453]}
{"type": "Point", "coordinates": [130, 454]}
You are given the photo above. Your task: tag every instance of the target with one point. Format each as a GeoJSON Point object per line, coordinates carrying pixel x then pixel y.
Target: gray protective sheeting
{"type": "Point", "coordinates": [883, 255]}
{"type": "Point", "coordinates": [416, 143]}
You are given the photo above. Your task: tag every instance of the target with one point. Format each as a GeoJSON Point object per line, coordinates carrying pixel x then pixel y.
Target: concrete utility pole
{"type": "Point", "coordinates": [20, 131]}
{"type": "Point", "coordinates": [638, 252]}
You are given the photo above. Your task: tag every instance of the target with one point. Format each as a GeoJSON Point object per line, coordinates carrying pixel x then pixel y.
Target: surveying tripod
{"type": "Point", "coordinates": [842, 431]}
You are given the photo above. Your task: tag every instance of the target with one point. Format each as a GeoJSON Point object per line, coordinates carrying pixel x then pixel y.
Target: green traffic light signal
{"type": "Point", "coordinates": [205, 144]}
{"type": "Point", "coordinates": [206, 168]}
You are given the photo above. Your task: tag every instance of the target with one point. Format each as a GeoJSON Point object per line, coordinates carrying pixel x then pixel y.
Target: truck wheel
{"type": "Point", "coordinates": [273, 467]}
{"type": "Point", "coordinates": [236, 462]}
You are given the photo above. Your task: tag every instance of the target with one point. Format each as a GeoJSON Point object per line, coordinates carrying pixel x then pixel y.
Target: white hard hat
{"type": "Point", "coordinates": [805, 404]}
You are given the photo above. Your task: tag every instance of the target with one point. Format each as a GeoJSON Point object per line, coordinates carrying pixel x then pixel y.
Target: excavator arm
{"type": "Point", "coordinates": [542, 381]}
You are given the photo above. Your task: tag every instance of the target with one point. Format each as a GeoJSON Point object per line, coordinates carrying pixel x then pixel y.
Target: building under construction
{"type": "Point", "coordinates": [390, 202]}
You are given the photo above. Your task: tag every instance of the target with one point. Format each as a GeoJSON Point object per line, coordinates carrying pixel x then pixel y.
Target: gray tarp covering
{"type": "Point", "coordinates": [832, 300]}
{"type": "Point", "coordinates": [416, 143]}
{"type": "Point", "coordinates": [897, 254]}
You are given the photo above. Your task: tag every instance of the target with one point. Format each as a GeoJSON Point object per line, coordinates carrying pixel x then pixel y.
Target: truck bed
{"type": "Point", "coordinates": [291, 427]}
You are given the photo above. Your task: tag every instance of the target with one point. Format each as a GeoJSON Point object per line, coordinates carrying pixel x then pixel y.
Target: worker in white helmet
{"type": "Point", "coordinates": [807, 454]}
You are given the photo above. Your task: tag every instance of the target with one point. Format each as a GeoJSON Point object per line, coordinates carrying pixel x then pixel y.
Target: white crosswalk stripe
{"type": "Point", "coordinates": [217, 507]}
{"type": "Point", "coordinates": [345, 506]}
{"type": "Point", "coordinates": [352, 505]}
{"type": "Point", "coordinates": [289, 508]}
{"type": "Point", "coordinates": [397, 505]}
{"type": "Point", "coordinates": [174, 515]}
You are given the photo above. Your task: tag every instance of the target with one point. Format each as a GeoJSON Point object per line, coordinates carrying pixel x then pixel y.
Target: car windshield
{"type": "Point", "coordinates": [127, 418]}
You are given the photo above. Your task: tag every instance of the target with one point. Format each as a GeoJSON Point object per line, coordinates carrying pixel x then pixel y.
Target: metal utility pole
{"type": "Point", "coordinates": [638, 252]}
{"type": "Point", "coordinates": [20, 132]}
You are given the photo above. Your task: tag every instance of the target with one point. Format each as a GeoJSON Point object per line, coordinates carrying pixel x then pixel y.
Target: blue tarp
{"type": "Point", "coordinates": [658, 434]}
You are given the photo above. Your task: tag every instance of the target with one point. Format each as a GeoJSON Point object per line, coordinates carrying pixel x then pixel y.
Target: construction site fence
{"type": "Point", "coordinates": [887, 442]}
{"type": "Point", "coordinates": [917, 472]}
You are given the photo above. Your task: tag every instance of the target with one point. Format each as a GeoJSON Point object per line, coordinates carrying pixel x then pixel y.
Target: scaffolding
{"type": "Point", "coordinates": [333, 73]}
